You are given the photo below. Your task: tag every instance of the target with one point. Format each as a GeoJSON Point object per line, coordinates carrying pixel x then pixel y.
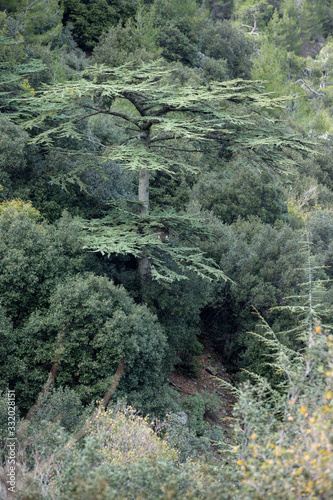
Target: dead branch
{"type": "Point", "coordinates": [303, 83]}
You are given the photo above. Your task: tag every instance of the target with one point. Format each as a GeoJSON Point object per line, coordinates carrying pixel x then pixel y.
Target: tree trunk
{"type": "Point", "coordinates": [144, 191]}
{"type": "Point", "coordinates": [144, 264]}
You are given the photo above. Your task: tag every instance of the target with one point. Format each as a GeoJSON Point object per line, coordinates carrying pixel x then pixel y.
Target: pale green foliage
{"type": "Point", "coordinates": [156, 109]}
{"type": "Point", "coordinates": [285, 448]}
{"type": "Point", "coordinates": [161, 107]}
{"type": "Point", "coordinates": [164, 117]}
{"type": "Point", "coordinates": [126, 233]}
{"type": "Point", "coordinates": [125, 437]}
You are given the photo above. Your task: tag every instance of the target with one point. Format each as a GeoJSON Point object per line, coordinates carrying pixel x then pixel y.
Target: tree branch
{"type": "Point", "coordinates": [47, 386]}
{"type": "Point", "coordinates": [311, 90]}
{"type": "Point", "coordinates": [113, 113]}
{"type": "Point", "coordinates": [181, 149]}
{"type": "Point", "coordinates": [162, 138]}
{"type": "Point", "coordinates": [86, 116]}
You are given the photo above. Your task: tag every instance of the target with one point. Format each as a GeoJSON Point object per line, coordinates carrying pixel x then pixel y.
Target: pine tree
{"type": "Point", "coordinates": [165, 129]}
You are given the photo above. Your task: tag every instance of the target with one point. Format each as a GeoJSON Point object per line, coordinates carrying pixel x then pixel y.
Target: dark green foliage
{"type": "Point", "coordinates": [33, 259]}
{"type": "Point", "coordinates": [221, 9]}
{"type": "Point", "coordinates": [13, 158]}
{"type": "Point", "coordinates": [116, 45]}
{"type": "Point", "coordinates": [322, 168]}
{"type": "Point", "coordinates": [91, 17]}
{"type": "Point", "coordinates": [240, 190]}
{"type": "Point", "coordinates": [37, 21]}
{"type": "Point", "coordinates": [178, 308]}
{"type": "Point", "coordinates": [220, 41]}
{"type": "Point", "coordinates": [214, 148]}
{"type": "Point", "coordinates": [320, 227]}
{"type": "Point", "coordinates": [31, 174]}
{"type": "Point", "coordinates": [82, 479]}
{"type": "Point", "coordinates": [264, 263]}
{"type": "Point", "coordinates": [102, 325]}
{"type": "Point", "coordinates": [285, 32]}
{"type": "Point", "coordinates": [63, 406]}
{"type": "Point", "coordinates": [199, 406]}
{"type": "Point", "coordinates": [178, 24]}
{"type": "Point", "coordinates": [9, 5]}
{"type": "Point", "coordinates": [8, 350]}
{"type": "Point", "coordinates": [176, 46]}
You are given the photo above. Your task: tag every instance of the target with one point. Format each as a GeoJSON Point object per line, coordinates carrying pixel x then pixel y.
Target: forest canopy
{"type": "Point", "coordinates": [166, 197]}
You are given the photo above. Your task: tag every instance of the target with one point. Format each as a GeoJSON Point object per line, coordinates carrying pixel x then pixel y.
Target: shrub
{"type": "Point", "coordinates": [33, 258]}
{"type": "Point", "coordinates": [101, 325]}
{"type": "Point", "coordinates": [241, 191]}
{"type": "Point", "coordinates": [125, 438]}
{"type": "Point", "coordinates": [264, 263]}
{"type": "Point", "coordinates": [285, 448]}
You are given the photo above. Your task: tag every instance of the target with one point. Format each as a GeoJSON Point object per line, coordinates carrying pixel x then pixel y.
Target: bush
{"type": "Point", "coordinates": [125, 438]}
{"type": "Point", "coordinates": [64, 406]}
{"type": "Point", "coordinates": [89, 18]}
{"type": "Point", "coordinates": [101, 325]}
{"type": "Point", "coordinates": [285, 442]}
{"type": "Point", "coordinates": [123, 458]}
{"type": "Point", "coordinates": [241, 191]}
{"type": "Point", "coordinates": [33, 258]}
{"type": "Point", "coordinates": [264, 263]}
{"type": "Point", "coordinates": [178, 306]}
{"type": "Point", "coordinates": [222, 40]}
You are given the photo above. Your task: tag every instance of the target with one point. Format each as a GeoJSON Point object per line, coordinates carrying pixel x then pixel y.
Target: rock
{"type": "Point", "coordinates": [212, 370]}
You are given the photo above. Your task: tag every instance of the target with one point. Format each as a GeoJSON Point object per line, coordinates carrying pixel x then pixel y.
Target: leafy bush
{"type": "Point", "coordinates": [64, 406]}
{"type": "Point", "coordinates": [33, 258]}
{"type": "Point", "coordinates": [13, 158]}
{"type": "Point", "coordinates": [178, 306]}
{"type": "Point", "coordinates": [90, 18]}
{"type": "Point", "coordinates": [125, 438]}
{"type": "Point", "coordinates": [199, 406]}
{"type": "Point", "coordinates": [129, 462]}
{"type": "Point", "coordinates": [221, 40]}
{"type": "Point", "coordinates": [240, 191]}
{"type": "Point", "coordinates": [101, 325]}
{"type": "Point", "coordinates": [264, 263]}
{"type": "Point", "coordinates": [285, 443]}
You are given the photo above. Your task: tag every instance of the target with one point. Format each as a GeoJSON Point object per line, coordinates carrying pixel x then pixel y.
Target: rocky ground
{"type": "Point", "coordinates": [210, 373]}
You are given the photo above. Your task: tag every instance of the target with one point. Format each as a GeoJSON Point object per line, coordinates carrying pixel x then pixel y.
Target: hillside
{"type": "Point", "coordinates": [166, 249]}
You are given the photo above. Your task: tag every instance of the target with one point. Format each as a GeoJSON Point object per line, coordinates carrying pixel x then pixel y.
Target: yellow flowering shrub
{"type": "Point", "coordinates": [11, 208]}
{"type": "Point", "coordinates": [296, 459]}
{"type": "Point", "coordinates": [125, 437]}
{"type": "Point", "coordinates": [27, 88]}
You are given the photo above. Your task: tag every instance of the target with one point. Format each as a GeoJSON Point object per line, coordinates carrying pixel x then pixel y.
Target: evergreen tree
{"type": "Point", "coordinates": [165, 130]}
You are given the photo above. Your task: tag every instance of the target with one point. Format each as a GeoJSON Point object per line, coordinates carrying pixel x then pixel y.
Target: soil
{"type": "Point", "coordinates": [210, 372]}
